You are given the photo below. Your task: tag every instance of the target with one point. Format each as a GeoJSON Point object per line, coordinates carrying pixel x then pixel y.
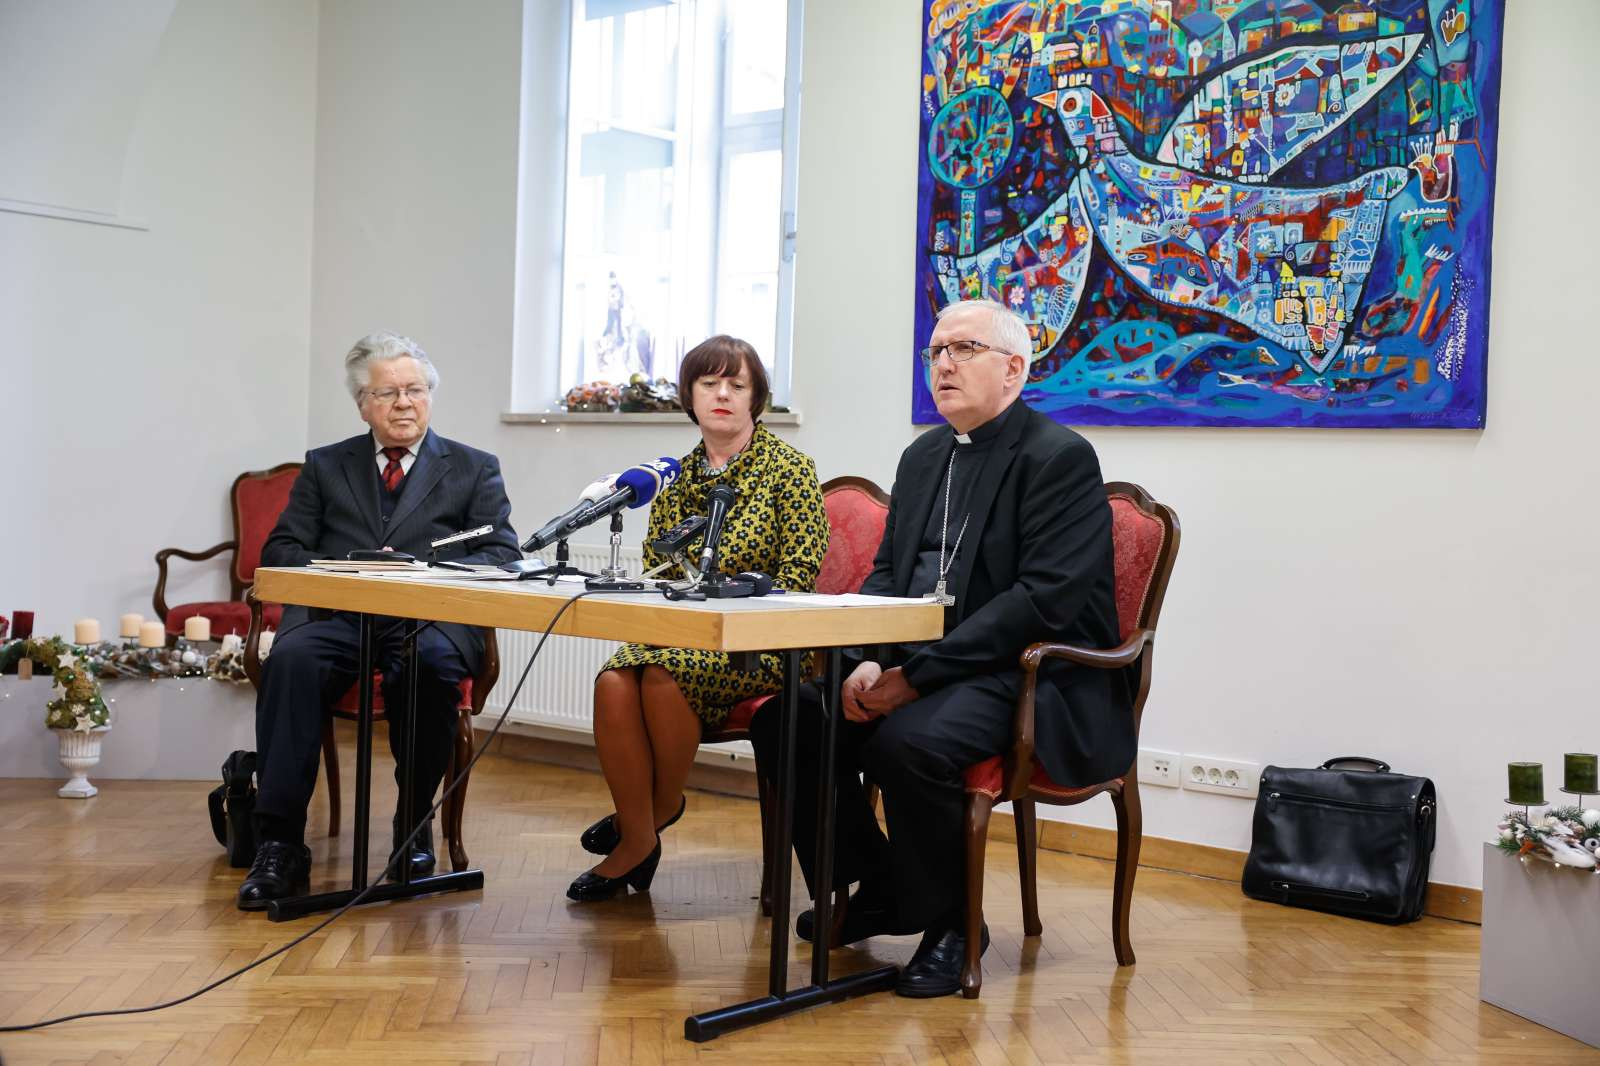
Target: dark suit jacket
{"type": "Point", "coordinates": [1040, 569]}
{"type": "Point", "coordinates": [333, 508]}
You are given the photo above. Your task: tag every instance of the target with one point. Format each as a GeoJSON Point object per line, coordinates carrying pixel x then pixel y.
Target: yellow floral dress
{"type": "Point", "coordinates": [778, 526]}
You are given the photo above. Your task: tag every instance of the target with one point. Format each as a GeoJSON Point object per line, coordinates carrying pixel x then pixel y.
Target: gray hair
{"type": "Point", "coordinates": [383, 346]}
{"type": "Point", "coordinates": [1005, 325]}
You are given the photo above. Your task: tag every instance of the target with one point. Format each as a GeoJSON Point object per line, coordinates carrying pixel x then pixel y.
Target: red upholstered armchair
{"type": "Point", "coordinates": [1145, 534]}
{"type": "Point", "coordinates": [857, 511]}
{"type": "Point", "coordinates": [258, 498]}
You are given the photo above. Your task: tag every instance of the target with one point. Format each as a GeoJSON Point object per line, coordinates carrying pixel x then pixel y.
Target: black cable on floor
{"type": "Point", "coordinates": [336, 915]}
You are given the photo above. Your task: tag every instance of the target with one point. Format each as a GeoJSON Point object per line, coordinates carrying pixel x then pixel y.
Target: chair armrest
{"type": "Point", "coordinates": [252, 640]}
{"type": "Point", "coordinates": [1125, 654]}
{"type": "Point", "coordinates": [1019, 761]}
{"type": "Point", "coordinates": [159, 600]}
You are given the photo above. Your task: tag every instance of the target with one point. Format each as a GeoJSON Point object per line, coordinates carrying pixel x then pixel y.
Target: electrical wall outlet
{"type": "Point", "coordinates": [1159, 767]}
{"type": "Point", "coordinates": [1205, 773]}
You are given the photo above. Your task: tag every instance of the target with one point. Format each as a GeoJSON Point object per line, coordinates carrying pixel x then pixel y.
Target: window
{"type": "Point", "coordinates": [679, 184]}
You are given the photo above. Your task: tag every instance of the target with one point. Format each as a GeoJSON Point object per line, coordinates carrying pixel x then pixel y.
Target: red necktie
{"type": "Point", "coordinates": [394, 473]}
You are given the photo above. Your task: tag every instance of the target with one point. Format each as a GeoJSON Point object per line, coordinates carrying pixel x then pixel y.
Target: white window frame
{"type": "Point", "coordinates": [543, 368]}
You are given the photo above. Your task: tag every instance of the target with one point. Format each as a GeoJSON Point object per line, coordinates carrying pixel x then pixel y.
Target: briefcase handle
{"type": "Point", "coordinates": [1378, 765]}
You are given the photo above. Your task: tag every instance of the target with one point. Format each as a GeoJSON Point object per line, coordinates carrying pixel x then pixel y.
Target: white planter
{"type": "Point", "coordinates": [1541, 943]}
{"type": "Point", "coordinates": [80, 753]}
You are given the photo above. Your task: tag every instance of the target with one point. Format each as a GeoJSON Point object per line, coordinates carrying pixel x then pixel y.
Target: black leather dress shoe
{"type": "Point", "coordinates": [280, 870]}
{"type": "Point", "coordinates": [867, 915]}
{"type": "Point", "coordinates": [423, 858]}
{"type": "Point", "coordinates": [935, 967]}
{"type": "Point", "coordinates": [602, 837]}
{"type": "Point", "coordinates": [591, 887]}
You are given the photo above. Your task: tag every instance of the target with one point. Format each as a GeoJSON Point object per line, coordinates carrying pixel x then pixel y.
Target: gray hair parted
{"type": "Point", "coordinates": [1009, 328]}
{"type": "Point", "coordinates": [383, 346]}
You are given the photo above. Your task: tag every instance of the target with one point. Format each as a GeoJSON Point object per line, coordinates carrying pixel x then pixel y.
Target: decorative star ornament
{"type": "Point", "coordinates": [66, 661]}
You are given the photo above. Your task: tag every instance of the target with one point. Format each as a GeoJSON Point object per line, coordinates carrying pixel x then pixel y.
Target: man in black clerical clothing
{"type": "Point", "coordinates": [1002, 517]}
{"type": "Point", "coordinates": [398, 487]}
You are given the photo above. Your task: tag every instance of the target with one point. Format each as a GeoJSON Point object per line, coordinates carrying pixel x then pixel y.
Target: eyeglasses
{"type": "Point", "coordinates": [414, 393]}
{"type": "Point", "coordinates": [959, 351]}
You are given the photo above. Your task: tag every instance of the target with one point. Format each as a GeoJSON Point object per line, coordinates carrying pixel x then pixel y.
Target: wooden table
{"type": "Point", "coordinates": [786, 624]}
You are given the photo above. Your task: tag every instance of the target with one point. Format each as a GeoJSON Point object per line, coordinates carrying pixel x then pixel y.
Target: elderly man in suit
{"type": "Point", "coordinates": [1002, 517]}
{"type": "Point", "coordinates": [397, 487]}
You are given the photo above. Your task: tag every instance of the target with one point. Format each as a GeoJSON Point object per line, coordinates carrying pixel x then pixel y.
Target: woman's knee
{"type": "Point", "coordinates": [616, 692]}
{"type": "Point", "coordinates": [657, 683]}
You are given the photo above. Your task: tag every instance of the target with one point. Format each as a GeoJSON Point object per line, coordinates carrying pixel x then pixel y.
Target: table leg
{"type": "Point", "coordinates": [283, 910]}
{"type": "Point", "coordinates": [358, 865]}
{"type": "Point", "coordinates": [780, 1000]}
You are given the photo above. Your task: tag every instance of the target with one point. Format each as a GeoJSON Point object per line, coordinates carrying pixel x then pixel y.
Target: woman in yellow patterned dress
{"type": "Point", "coordinates": [651, 703]}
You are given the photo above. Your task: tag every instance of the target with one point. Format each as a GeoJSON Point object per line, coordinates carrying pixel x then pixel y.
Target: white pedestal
{"type": "Point", "coordinates": [174, 729]}
{"type": "Point", "coordinates": [1541, 943]}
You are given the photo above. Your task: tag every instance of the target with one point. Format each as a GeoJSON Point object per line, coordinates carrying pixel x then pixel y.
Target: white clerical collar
{"type": "Point", "coordinates": [963, 438]}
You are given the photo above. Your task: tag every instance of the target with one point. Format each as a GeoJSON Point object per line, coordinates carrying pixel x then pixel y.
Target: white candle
{"type": "Point", "coordinates": [86, 631]}
{"type": "Point", "coordinates": [232, 643]}
{"type": "Point", "coordinates": [131, 624]}
{"type": "Point", "coordinates": [264, 643]}
{"type": "Point", "coordinates": [197, 627]}
{"type": "Point", "coordinates": [152, 635]}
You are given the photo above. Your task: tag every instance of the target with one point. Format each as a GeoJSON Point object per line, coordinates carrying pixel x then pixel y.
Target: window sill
{"type": "Point", "coordinates": [620, 418]}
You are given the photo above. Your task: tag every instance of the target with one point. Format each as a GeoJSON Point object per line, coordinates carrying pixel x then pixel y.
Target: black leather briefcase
{"type": "Point", "coordinates": [1354, 842]}
{"type": "Point", "coordinates": [231, 805]}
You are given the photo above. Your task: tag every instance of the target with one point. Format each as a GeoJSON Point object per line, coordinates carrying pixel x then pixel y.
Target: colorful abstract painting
{"type": "Point", "coordinates": [1216, 213]}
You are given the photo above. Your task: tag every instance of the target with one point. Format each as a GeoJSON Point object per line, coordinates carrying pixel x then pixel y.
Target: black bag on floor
{"type": "Point", "coordinates": [232, 804]}
{"type": "Point", "coordinates": [1354, 842]}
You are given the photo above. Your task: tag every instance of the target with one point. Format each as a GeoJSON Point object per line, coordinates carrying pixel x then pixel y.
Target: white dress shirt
{"type": "Point", "coordinates": [406, 460]}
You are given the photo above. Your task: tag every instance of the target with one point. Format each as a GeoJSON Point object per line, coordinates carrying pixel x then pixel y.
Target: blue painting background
{"type": "Point", "coordinates": [1204, 369]}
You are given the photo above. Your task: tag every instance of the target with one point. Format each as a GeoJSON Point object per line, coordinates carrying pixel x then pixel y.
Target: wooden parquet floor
{"type": "Point", "coordinates": [124, 900]}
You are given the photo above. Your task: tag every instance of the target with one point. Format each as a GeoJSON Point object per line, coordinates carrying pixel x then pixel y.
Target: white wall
{"type": "Point", "coordinates": [140, 371]}
{"type": "Point", "coordinates": [1400, 594]}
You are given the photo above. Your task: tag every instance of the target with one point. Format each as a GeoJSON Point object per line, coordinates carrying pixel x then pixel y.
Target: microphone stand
{"type": "Point", "coordinates": [534, 570]}
{"type": "Point", "coordinates": [563, 567]}
{"type": "Point", "coordinates": [614, 578]}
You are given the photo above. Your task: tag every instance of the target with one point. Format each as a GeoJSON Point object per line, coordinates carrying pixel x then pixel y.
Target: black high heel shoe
{"type": "Point", "coordinates": [591, 887]}
{"type": "Point", "coordinates": [602, 837]}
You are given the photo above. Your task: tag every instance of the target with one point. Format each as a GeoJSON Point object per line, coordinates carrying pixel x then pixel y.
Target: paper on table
{"type": "Point", "coordinates": [844, 599]}
{"type": "Point", "coordinates": [484, 573]}
{"type": "Point", "coordinates": [367, 566]}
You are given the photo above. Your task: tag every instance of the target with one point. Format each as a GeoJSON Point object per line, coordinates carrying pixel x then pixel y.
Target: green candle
{"type": "Point", "coordinates": [1527, 782]}
{"type": "Point", "coordinates": [1581, 772]}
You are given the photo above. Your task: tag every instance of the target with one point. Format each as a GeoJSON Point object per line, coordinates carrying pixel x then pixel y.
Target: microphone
{"type": "Point", "coordinates": [637, 486]}
{"type": "Point", "coordinates": [552, 530]}
{"type": "Point", "coordinates": [634, 487]}
{"type": "Point", "coordinates": [717, 508]}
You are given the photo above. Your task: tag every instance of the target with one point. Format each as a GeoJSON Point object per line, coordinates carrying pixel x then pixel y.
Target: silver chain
{"type": "Point", "coordinates": [944, 530]}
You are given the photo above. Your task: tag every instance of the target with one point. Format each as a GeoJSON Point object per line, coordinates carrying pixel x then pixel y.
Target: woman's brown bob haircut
{"type": "Point", "coordinates": [723, 356]}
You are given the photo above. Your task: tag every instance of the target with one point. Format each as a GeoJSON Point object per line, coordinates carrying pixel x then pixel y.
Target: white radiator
{"type": "Point", "coordinates": [560, 687]}
{"type": "Point", "coordinates": [559, 692]}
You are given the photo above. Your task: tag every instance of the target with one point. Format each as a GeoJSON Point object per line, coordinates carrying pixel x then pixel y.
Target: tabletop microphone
{"type": "Point", "coordinates": [717, 508]}
{"type": "Point", "coordinates": [637, 486]}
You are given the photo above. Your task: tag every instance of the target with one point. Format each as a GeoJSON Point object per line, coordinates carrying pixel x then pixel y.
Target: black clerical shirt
{"type": "Point", "coordinates": [971, 449]}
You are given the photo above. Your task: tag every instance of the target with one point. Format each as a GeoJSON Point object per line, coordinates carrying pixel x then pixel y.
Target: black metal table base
{"type": "Point", "coordinates": [292, 907]}
{"type": "Point", "coordinates": [714, 1023]}
{"type": "Point", "coordinates": [781, 1000]}
{"type": "Point", "coordinates": [287, 910]}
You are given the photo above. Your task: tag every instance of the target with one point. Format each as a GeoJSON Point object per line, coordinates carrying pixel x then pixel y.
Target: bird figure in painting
{"type": "Point", "coordinates": [1288, 263]}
